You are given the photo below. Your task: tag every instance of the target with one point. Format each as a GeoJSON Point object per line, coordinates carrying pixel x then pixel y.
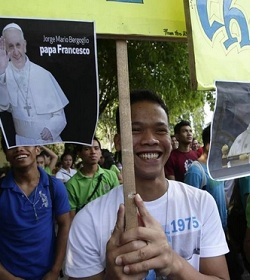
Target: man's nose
{"type": "Point", "coordinates": [93, 150]}
{"type": "Point", "coordinates": [149, 138]}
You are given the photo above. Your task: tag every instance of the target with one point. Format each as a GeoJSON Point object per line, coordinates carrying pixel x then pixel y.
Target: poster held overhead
{"type": "Point", "coordinates": [229, 155]}
{"type": "Point", "coordinates": [52, 90]}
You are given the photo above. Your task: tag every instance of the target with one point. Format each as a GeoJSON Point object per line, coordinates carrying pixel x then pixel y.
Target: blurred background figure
{"type": "Point", "coordinates": [40, 161]}
{"type": "Point", "coordinates": [66, 171]}
{"type": "Point", "coordinates": [175, 143]}
{"type": "Point", "coordinates": [107, 161]}
{"type": "Point", "coordinates": [195, 146]}
{"type": "Point", "coordinates": [181, 158]}
{"type": "Point", "coordinates": [50, 159]}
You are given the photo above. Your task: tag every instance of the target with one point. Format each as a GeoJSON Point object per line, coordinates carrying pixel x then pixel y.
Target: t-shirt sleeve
{"type": "Point", "coordinates": [115, 169]}
{"type": "Point", "coordinates": [113, 178]}
{"type": "Point", "coordinates": [193, 177]}
{"type": "Point", "coordinates": [59, 175]}
{"type": "Point", "coordinates": [82, 256]}
{"type": "Point", "coordinates": [213, 236]}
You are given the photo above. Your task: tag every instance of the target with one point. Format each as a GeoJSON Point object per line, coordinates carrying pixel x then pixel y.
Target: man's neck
{"type": "Point", "coordinates": [184, 148]}
{"type": "Point", "coordinates": [89, 170]}
{"type": "Point", "coordinates": [152, 189]}
{"type": "Point", "coordinates": [27, 180]}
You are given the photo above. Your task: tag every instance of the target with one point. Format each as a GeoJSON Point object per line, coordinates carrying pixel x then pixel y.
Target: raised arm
{"type": "Point", "coordinates": [3, 56]}
{"type": "Point", "coordinates": [4, 97]}
{"type": "Point", "coordinates": [53, 157]}
{"type": "Point", "coordinates": [63, 223]}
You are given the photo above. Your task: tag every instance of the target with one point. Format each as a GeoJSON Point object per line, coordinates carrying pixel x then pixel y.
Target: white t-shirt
{"type": "Point", "coordinates": [188, 215]}
{"type": "Point", "coordinates": [65, 175]}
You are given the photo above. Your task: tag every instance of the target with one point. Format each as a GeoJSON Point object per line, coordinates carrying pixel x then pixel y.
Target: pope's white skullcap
{"type": "Point", "coordinates": [12, 25]}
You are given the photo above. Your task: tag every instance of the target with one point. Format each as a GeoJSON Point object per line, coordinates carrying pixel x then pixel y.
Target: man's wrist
{"type": "Point", "coordinates": [56, 270]}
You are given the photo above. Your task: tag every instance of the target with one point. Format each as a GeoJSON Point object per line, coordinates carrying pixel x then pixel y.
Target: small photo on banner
{"type": "Point", "coordinates": [229, 155]}
{"type": "Point", "coordinates": [48, 81]}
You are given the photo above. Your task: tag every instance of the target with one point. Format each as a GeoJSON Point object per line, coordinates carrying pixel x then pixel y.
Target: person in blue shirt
{"type": "Point", "coordinates": [29, 212]}
{"type": "Point", "coordinates": [195, 174]}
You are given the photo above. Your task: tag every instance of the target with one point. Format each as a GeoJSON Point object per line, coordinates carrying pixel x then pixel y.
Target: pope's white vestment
{"type": "Point", "coordinates": [36, 101]}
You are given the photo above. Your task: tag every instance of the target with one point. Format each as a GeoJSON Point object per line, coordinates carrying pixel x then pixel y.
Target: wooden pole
{"type": "Point", "coordinates": [126, 133]}
{"type": "Point", "coordinates": [194, 83]}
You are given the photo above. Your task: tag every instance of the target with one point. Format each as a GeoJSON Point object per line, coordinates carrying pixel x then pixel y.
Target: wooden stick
{"type": "Point", "coordinates": [126, 134]}
{"type": "Point", "coordinates": [193, 77]}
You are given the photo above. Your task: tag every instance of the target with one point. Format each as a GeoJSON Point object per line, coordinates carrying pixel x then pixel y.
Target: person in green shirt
{"type": "Point", "coordinates": [108, 162]}
{"type": "Point", "coordinates": [90, 181]}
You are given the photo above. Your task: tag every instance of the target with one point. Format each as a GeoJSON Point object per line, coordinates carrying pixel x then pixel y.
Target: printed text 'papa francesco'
{"type": "Point", "coordinates": [59, 49]}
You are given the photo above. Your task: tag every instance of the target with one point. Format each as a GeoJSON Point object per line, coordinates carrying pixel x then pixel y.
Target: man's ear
{"type": "Point", "coordinates": [117, 142]}
{"type": "Point", "coordinates": [38, 150]}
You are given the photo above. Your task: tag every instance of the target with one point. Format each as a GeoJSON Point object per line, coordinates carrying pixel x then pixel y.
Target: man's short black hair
{"type": "Point", "coordinates": [206, 135]}
{"type": "Point", "coordinates": [45, 154]}
{"type": "Point", "coordinates": [179, 125]}
{"type": "Point", "coordinates": [79, 147]}
{"type": "Point", "coordinates": [143, 95]}
{"type": "Point", "coordinates": [66, 153]}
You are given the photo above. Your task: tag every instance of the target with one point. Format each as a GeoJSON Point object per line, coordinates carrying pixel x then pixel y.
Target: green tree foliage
{"type": "Point", "coordinates": [159, 66]}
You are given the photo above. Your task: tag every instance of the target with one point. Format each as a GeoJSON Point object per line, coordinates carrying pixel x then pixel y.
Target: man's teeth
{"type": "Point", "coordinates": [21, 156]}
{"type": "Point", "coordinates": [149, 156]}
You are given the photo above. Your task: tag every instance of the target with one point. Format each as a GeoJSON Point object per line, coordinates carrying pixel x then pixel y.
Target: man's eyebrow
{"type": "Point", "coordinates": [156, 123]}
{"type": "Point", "coordinates": [136, 123]}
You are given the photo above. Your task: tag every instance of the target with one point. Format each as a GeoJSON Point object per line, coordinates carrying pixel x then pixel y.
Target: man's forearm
{"type": "Point", "coordinates": [61, 244]}
{"type": "Point", "coordinates": [4, 274]}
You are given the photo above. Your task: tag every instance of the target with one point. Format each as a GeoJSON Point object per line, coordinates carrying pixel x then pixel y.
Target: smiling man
{"type": "Point", "coordinates": [28, 244]}
{"type": "Point", "coordinates": [179, 234]}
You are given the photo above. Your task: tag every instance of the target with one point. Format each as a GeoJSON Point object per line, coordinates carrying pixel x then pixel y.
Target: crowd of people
{"type": "Point", "coordinates": [61, 218]}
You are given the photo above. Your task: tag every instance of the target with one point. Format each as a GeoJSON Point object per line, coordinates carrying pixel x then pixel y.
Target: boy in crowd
{"type": "Point", "coordinates": [91, 181]}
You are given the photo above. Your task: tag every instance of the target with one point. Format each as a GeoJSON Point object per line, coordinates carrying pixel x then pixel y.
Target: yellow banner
{"type": "Point", "coordinates": [221, 40]}
{"type": "Point", "coordinates": [153, 18]}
